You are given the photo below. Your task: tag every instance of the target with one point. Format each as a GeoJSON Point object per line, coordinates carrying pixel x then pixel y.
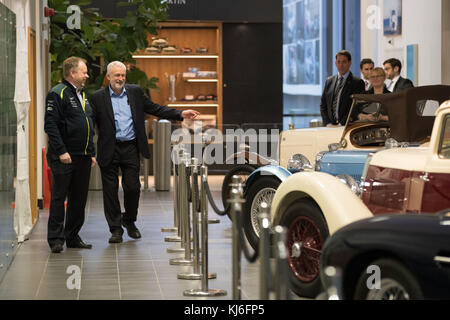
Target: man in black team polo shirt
{"type": "Point", "coordinates": [70, 156]}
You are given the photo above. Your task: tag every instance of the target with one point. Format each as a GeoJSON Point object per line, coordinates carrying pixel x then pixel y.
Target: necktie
{"type": "Point", "coordinates": [367, 84]}
{"type": "Point", "coordinates": [337, 90]}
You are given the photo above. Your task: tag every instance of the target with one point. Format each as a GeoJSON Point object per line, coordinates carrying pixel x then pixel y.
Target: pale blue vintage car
{"type": "Point", "coordinates": [342, 162]}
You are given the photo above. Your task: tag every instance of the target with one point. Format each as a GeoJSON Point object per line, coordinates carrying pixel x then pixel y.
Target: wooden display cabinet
{"type": "Point", "coordinates": [191, 35]}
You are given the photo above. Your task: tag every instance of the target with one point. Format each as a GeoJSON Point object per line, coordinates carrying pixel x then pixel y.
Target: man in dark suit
{"type": "Point", "coordinates": [393, 67]}
{"type": "Point", "coordinates": [335, 103]}
{"type": "Point", "coordinates": [119, 112]}
{"type": "Point", "coordinates": [366, 66]}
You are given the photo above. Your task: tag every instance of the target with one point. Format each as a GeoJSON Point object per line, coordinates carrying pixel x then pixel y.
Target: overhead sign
{"type": "Point", "coordinates": [216, 10]}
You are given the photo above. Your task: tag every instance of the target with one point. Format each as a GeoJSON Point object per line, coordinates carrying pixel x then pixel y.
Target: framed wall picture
{"type": "Point", "coordinates": [392, 17]}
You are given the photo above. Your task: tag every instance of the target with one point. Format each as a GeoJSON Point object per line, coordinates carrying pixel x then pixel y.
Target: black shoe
{"type": "Point", "coordinates": [132, 231]}
{"type": "Point", "coordinates": [78, 243]}
{"type": "Point", "coordinates": [116, 237]}
{"type": "Point", "coordinates": [57, 248]}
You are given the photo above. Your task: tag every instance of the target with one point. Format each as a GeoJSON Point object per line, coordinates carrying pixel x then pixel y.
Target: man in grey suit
{"type": "Point", "coordinates": [393, 67]}
{"type": "Point", "coordinates": [335, 103]}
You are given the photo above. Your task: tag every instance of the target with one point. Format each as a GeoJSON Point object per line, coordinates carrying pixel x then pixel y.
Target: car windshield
{"type": "Point", "coordinates": [408, 113]}
{"type": "Point", "coordinates": [369, 111]}
{"type": "Point", "coordinates": [444, 150]}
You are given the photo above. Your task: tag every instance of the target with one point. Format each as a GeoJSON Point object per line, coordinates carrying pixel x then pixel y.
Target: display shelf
{"type": "Point", "coordinates": [182, 104]}
{"type": "Point", "coordinates": [175, 56]}
{"type": "Point", "coordinates": [200, 80]}
{"type": "Point", "coordinates": [193, 35]}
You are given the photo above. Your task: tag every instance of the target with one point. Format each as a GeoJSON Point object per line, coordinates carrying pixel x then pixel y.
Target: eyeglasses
{"type": "Point", "coordinates": [374, 77]}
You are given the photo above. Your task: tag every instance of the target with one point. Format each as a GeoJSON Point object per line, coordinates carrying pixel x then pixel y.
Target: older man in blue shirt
{"type": "Point", "coordinates": [119, 112]}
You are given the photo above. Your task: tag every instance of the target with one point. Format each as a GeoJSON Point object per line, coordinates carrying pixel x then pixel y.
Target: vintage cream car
{"type": "Point", "coordinates": [313, 205]}
{"type": "Point", "coordinates": [356, 140]}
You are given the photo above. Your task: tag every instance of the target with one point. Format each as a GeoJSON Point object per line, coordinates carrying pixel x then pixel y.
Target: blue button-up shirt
{"type": "Point", "coordinates": [122, 116]}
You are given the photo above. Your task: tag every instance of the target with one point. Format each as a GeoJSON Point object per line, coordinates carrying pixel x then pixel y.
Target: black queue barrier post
{"type": "Point", "coordinates": [196, 274]}
{"type": "Point", "coordinates": [177, 153]}
{"type": "Point", "coordinates": [236, 200]}
{"type": "Point", "coordinates": [281, 272]}
{"type": "Point", "coordinates": [184, 215]}
{"type": "Point", "coordinates": [175, 201]}
{"type": "Point", "coordinates": [181, 156]}
{"type": "Point", "coordinates": [204, 291]}
{"type": "Point", "coordinates": [264, 252]}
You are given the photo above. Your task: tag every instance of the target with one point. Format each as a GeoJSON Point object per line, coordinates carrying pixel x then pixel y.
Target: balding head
{"type": "Point", "coordinates": [115, 64]}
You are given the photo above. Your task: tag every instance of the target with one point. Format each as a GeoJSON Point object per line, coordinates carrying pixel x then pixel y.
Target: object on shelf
{"type": "Point", "coordinates": [189, 75]}
{"type": "Point", "coordinates": [202, 50]}
{"type": "Point", "coordinates": [160, 42]}
{"type": "Point", "coordinates": [211, 97]}
{"type": "Point", "coordinates": [153, 50]}
{"type": "Point", "coordinates": [207, 74]}
{"type": "Point", "coordinates": [201, 97]}
{"type": "Point", "coordinates": [169, 49]}
{"type": "Point", "coordinates": [189, 97]}
{"type": "Point", "coordinates": [185, 50]}
{"type": "Point", "coordinates": [172, 78]}
{"type": "Point", "coordinates": [193, 69]}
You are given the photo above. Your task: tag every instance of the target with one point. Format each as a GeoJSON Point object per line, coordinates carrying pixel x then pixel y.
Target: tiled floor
{"type": "Point", "coordinates": [134, 269]}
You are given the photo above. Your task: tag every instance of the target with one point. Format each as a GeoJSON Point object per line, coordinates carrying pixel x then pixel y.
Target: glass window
{"type": "Point", "coordinates": [444, 148]}
{"type": "Point", "coordinates": [302, 60]}
{"type": "Point", "coordinates": [427, 108]}
{"type": "Point", "coordinates": [8, 129]}
{"type": "Point", "coordinates": [313, 31]}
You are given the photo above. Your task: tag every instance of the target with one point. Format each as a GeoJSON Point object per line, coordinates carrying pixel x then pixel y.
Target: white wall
{"type": "Point", "coordinates": [422, 25]}
{"type": "Point", "coordinates": [445, 42]}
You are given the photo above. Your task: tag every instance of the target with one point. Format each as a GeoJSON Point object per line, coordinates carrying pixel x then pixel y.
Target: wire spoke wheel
{"type": "Point", "coordinates": [304, 233]}
{"type": "Point", "coordinates": [264, 195]}
{"type": "Point", "coordinates": [389, 290]}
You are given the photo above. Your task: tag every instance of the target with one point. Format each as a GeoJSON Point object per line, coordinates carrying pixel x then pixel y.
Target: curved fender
{"type": "Point", "coordinates": [339, 205]}
{"type": "Point", "coordinates": [270, 170]}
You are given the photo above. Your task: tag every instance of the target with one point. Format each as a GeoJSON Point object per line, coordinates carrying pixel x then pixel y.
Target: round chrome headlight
{"type": "Point", "coordinates": [318, 160]}
{"type": "Point", "coordinates": [350, 182]}
{"type": "Point", "coordinates": [333, 147]}
{"type": "Point", "coordinates": [298, 162]}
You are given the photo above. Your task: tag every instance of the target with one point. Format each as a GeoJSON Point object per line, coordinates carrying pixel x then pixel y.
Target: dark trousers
{"type": "Point", "coordinates": [71, 181]}
{"type": "Point", "coordinates": [126, 157]}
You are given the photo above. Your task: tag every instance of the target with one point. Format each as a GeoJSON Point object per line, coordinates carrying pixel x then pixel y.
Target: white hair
{"type": "Point", "coordinates": [113, 64]}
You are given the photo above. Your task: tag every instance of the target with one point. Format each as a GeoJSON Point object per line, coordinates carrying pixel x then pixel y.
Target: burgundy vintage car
{"type": "Point", "coordinates": [412, 179]}
{"type": "Point", "coordinates": [412, 175]}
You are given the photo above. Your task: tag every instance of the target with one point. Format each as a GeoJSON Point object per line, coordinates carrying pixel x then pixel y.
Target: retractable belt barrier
{"type": "Point", "coordinates": [204, 291]}
{"type": "Point", "coordinates": [177, 154]}
{"type": "Point", "coordinates": [273, 274]}
{"type": "Point", "coordinates": [272, 280]}
{"type": "Point", "coordinates": [183, 207]}
{"type": "Point", "coordinates": [196, 275]}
